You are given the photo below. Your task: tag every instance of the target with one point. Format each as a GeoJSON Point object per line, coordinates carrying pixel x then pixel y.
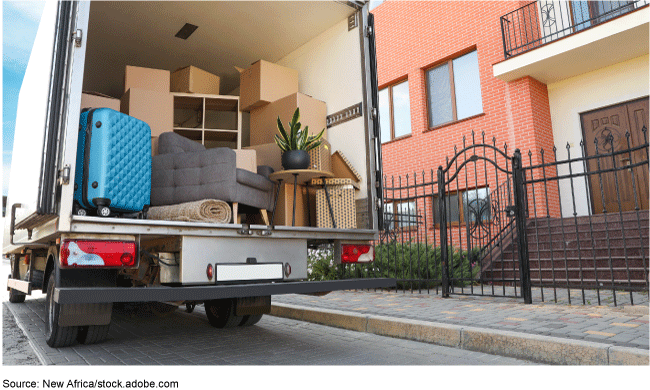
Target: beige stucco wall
{"type": "Point", "coordinates": [568, 98]}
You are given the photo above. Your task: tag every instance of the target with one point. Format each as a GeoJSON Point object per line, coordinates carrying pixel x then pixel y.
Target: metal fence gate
{"type": "Point", "coordinates": [567, 224]}
{"type": "Point", "coordinates": [446, 230]}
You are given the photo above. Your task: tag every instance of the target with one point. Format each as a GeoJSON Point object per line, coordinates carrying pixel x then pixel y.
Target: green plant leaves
{"type": "Point", "coordinates": [296, 138]}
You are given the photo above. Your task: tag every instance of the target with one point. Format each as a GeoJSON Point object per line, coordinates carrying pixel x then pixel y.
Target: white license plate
{"type": "Point", "coordinates": [237, 272]}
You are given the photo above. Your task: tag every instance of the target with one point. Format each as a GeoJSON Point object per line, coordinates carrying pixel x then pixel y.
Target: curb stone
{"type": "Point", "coordinates": [537, 348]}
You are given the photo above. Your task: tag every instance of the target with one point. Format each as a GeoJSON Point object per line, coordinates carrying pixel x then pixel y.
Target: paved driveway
{"type": "Point", "coordinates": [138, 337]}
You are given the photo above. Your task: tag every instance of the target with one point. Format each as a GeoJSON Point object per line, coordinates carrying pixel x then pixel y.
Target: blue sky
{"type": "Point", "coordinates": [19, 24]}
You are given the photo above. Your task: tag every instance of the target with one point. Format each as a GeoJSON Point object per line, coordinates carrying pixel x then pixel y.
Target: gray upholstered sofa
{"type": "Point", "coordinates": [185, 171]}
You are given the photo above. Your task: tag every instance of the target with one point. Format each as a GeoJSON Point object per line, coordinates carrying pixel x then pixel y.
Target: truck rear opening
{"type": "Point", "coordinates": [89, 262]}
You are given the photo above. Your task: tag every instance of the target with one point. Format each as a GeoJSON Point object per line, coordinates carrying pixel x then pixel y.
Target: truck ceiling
{"type": "Point", "coordinates": [143, 34]}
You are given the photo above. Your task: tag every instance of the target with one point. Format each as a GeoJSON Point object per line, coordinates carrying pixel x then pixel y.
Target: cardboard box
{"type": "Point", "coordinates": [341, 167]}
{"type": "Point", "coordinates": [284, 208]}
{"type": "Point", "coordinates": [246, 159]}
{"type": "Point", "coordinates": [191, 79]}
{"type": "Point", "coordinates": [264, 82]}
{"type": "Point", "coordinates": [320, 158]}
{"type": "Point", "coordinates": [146, 78]}
{"type": "Point", "coordinates": [99, 100]}
{"type": "Point", "coordinates": [268, 154]}
{"type": "Point", "coordinates": [343, 207]}
{"type": "Point", "coordinates": [264, 124]}
{"type": "Point", "coordinates": [154, 146]}
{"type": "Point", "coordinates": [153, 107]}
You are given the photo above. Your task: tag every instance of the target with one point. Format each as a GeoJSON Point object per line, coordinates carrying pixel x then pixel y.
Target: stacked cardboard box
{"type": "Point", "coordinates": [191, 79]}
{"type": "Point", "coordinates": [146, 97]}
{"type": "Point", "coordinates": [99, 100]}
{"type": "Point", "coordinates": [269, 91]}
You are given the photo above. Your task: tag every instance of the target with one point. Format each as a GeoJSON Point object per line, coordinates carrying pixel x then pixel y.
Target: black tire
{"type": "Point", "coordinates": [221, 313]}
{"type": "Point", "coordinates": [251, 320]}
{"type": "Point", "coordinates": [92, 334]}
{"type": "Point", "coordinates": [56, 336]}
{"type": "Point", "coordinates": [16, 296]}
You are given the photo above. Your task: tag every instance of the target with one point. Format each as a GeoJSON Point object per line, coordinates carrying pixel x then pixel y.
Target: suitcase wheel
{"type": "Point", "coordinates": [77, 210]}
{"type": "Point", "coordinates": [103, 211]}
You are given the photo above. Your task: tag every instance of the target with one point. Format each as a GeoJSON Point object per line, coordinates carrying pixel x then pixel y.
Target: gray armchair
{"type": "Point", "coordinates": [185, 171]}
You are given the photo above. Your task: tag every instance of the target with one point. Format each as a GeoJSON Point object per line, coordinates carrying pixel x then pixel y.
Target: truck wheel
{"type": "Point", "coordinates": [221, 313]}
{"type": "Point", "coordinates": [16, 296]}
{"type": "Point", "coordinates": [92, 334]}
{"type": "Point", "coordinates": [251, 320]}
{"type": "Point", "coordinates": [56, 336]}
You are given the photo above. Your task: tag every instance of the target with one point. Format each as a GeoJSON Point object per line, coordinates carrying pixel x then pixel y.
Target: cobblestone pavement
{"type": "Point", "coordinates": [139, 338]}
{"type": "Point", "coordinates": [625, 326]}
{"type": "Point", "coordinates": [15, 345]}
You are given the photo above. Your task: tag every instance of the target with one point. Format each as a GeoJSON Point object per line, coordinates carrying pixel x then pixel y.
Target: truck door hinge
{"type": "Point", "coordinates": [374, 113]}
{"type": "Point", "coordinates": [368, 31]}
{"type": "Point", "coordinates": [77, 37]}
{"type": "Point", "coordinates": [64, 175]}
{"type": "Point", "coordinates": [245, 230]}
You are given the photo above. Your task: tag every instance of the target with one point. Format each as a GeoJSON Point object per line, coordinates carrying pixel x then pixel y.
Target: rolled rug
{"type": "Point", "coordinates": [207, 210]}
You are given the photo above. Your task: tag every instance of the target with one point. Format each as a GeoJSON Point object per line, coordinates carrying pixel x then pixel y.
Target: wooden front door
{"type": "Point", "coordinates": [605, 133]}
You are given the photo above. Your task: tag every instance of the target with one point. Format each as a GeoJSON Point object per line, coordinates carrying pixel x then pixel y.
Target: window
{"type": "Point", "coordinates": [400, 215]}
{"type": "Point", "coordinates": [454, 90]}
{"type": "Point", "coordinates": [468, 207]}
{"type": "Point", "coordinates": [394, 111]}
{"type": "Point", "coordinates": [588, 13]}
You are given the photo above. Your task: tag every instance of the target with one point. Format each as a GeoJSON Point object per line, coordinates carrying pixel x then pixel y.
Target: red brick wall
{"type": "Point", "coordinates": [411, 36]}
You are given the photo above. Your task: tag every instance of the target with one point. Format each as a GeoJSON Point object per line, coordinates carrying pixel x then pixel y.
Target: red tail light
{"type": "Point", "coordinates": [97, 254]}
{"type": "Point", "coordinates": [357, 253]}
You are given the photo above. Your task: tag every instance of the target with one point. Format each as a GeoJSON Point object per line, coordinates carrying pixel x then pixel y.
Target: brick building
{"type": "Point", "coordinates": [529, 75]}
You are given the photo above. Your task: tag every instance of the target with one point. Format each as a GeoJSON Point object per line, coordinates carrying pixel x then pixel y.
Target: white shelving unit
{"type": "Point", "coordinates": [207, 118]}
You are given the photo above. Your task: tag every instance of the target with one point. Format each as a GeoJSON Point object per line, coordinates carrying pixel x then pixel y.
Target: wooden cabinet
{"type": "Point", "coordinates": [213, 120]}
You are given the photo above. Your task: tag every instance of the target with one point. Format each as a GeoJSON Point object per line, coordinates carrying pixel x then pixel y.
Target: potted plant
{"type": "Point", "coordinates": [296, 143]}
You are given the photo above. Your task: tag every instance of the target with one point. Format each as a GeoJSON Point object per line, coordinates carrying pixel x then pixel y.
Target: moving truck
{"type": "Point", "coordinates": [231, 268]}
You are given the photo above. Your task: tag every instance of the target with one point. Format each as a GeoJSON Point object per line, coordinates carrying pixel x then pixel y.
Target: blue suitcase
{"type": "Point", "coordinates": [113, 174]}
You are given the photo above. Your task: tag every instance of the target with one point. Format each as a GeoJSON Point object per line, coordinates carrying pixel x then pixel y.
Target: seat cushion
{"type": "Point", "coordinates": [254, 180]}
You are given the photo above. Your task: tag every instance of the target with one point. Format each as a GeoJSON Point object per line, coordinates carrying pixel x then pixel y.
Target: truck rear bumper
{"type": "Point", "coordinates": [66, 295]}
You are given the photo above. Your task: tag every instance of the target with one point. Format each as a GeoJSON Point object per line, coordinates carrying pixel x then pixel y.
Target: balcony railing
{"type": "Point", "coordinates": [541, 22]}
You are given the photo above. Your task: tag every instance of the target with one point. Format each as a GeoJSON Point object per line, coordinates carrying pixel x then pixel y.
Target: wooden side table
{"type": "Point", "coordinates": [299, 176]}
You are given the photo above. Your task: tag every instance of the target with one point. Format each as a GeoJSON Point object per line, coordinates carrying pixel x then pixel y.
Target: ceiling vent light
{"type": "Point", "coordinates": [186, 31]}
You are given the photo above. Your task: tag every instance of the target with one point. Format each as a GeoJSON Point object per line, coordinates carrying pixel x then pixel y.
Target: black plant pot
{"type": "Point", "coordinates": [295, 159]}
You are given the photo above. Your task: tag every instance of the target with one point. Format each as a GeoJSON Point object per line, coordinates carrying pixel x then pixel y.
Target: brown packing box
{"type": "Point", "coordinates": [264, 82]}
{"type": "Point", "coordinates": [246, 159]}
{"type": "Point", "coordinates": [343, 207]}
{"type": "Point", "coordinates": [154, 146]}
{"type": "Point", "coordinates": [320, 158]}
{"type": "Point", "coordinates": [191, 79]}
{"type": "Point", "coordinates": [153, 107]}
{"type": "Point", "coordinates": [268, 154]}
{"type": "Point", "coordinates": [99, 100]}
{"type": "Point", "coordinates": [146, 78]}
{"type": "Point", "coordinates": [341, 167]}
{"type": "Point", "coordinates": [264, 125]}
{"type": "Point", "coordinates": [284, 208]}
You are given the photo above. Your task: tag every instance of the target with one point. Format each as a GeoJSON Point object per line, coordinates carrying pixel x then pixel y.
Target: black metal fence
{"type": "Point", "coordinates": [545, 21]}
{"type": "Point", "coordinates": [570, 223]}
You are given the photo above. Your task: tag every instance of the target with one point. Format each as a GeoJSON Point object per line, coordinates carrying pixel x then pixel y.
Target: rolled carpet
{"type": "Point", "coordinates": [207, 210]}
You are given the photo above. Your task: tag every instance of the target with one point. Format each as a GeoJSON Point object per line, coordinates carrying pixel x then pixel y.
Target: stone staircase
{"type": "Point", "coordinates": [607, 250]}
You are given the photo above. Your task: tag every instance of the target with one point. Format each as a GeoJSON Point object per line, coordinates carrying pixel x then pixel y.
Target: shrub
{"type": "Point", "coordinates": [414, 265]}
